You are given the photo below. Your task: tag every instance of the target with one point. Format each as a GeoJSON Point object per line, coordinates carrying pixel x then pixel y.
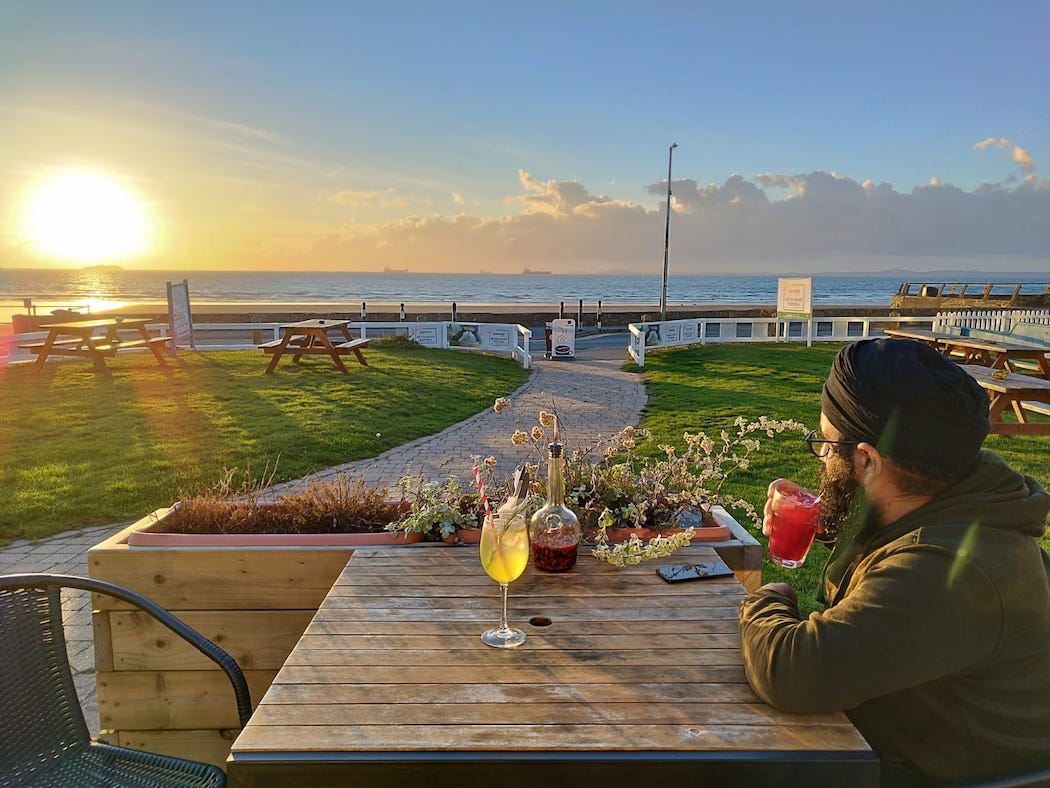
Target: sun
{"type": "Point", "coordinates": [86, 217]}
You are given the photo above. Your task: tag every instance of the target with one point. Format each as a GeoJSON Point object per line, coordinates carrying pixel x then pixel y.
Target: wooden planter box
{"type": "Point", "coordinates": [156, 693]}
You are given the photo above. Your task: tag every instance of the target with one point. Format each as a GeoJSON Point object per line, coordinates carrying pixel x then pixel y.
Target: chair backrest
{"type": "Point", "coordinates": [41, 714]}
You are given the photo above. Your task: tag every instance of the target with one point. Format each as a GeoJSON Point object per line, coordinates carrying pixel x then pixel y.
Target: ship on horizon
{"type": "Point", "coordinates": [528, 271]}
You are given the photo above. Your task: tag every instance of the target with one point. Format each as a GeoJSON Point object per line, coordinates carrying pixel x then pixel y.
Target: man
{"type": "Point", "coordinates": [935, 638]}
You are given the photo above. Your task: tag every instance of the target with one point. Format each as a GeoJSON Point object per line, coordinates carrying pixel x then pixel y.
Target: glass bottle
{"type": "Point", "coordinates": [554, 529]}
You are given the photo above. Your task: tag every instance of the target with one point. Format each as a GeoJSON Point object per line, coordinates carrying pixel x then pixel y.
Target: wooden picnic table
{"type": "Point", "coordinates": [624, 680]}
{"type": "Point", "coordinates": [1022, 394]}
{"type": "Point", "coordinates": [97, 340]}
{"type": "Point", "coordinates": [310, 337]}
{"type": "Point", "coordinates": [988, 352]}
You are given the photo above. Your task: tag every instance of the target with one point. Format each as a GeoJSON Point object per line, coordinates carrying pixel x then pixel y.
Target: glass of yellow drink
{"type": "Point", "coordinates": [504, 555]}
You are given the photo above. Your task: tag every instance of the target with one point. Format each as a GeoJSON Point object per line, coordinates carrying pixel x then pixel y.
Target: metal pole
{"type": "Point", "coordinates": [364, 311]}
{"type": "Point", "coordinates": [667, 234]}
{"type": "Point", "coordinates": [579, 315]}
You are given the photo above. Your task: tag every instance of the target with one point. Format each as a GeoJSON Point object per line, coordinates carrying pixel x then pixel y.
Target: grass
{"type": "Point", "coordinates": [705, 387]}
{"type": "Point", "coordinates": [76, 450]}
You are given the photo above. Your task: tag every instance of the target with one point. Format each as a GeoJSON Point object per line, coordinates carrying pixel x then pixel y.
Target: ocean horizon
{"type": "Point", "coordinates": [109, 287]}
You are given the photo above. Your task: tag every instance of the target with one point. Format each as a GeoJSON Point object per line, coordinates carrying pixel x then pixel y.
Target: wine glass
{"type": "Point", "coordinates": [504, 555]}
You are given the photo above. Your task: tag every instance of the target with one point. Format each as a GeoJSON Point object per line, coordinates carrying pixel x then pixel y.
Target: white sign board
{"type": "Point", "coordinates": [180, 321]}
{"type": "Point", "coordinates": [795, 298]}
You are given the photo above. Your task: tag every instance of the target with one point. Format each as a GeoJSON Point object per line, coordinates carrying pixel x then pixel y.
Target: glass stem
{"type": "Point", "coordinates": [503, 613]}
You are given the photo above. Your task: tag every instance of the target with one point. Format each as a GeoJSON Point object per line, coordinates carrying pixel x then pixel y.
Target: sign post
{"type": "Point", "coordinates": [180, 320]}
{"type": "Point", "coordinates": [795, 300]}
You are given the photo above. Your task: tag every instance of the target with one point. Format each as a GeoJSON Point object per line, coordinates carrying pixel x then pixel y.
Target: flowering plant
{"type": "Point", "coordinates": [670, 491]}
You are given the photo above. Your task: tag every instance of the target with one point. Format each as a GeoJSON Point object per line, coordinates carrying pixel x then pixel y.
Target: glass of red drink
{"type": "Point", "coordinates": [795, 518]}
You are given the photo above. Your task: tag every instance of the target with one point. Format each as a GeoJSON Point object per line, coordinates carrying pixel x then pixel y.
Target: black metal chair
{"type": "Point", "coordinates": [44, 739]}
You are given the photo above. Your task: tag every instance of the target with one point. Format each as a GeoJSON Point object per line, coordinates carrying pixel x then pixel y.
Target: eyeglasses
{"type": "Point", "coordinates": [820, 447]}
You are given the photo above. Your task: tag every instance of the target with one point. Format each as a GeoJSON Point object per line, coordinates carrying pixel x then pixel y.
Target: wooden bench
{"type": "Point", "coordinates": [343, 348]}
{"type": "Point", "coordinates": [288, 347]}
{"type": "Point", "coordinates": [35, 347]}
{"type": "Point", "coordinates": [1042, 408]}
{"type": "Point", "coordinates": [110, 348]}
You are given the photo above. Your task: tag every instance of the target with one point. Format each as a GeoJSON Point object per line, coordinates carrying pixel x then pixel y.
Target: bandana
{"type": "Point", "coordinates": [908, 401]}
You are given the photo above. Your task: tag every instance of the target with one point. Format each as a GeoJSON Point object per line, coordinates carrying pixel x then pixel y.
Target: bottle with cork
{"type": "Point", "coordinates": [554, 529]}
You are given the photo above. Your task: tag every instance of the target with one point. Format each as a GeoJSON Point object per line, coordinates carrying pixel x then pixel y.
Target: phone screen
{"type": "Point", "coordinates": [701, 571]}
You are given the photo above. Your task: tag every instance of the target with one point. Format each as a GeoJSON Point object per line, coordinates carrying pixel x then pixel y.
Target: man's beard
{"type": "Point", "coordinates": [839, 496]}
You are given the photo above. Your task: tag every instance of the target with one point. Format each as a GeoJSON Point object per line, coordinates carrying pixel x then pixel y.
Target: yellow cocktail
{"type": "Point", "coordinates": [504, 551]}
{"type": "Point", "coordinates": [504, 555]}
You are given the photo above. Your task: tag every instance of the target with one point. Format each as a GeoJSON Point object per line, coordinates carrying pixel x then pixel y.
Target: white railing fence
{"type": "Point", "coordinates": [675, 333]}
{"type": "Point", "coordinates": [1002, 320]}
{"type": "Point", "coordinates": [508, 338]}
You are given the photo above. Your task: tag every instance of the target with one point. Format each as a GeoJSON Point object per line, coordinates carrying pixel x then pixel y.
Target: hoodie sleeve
{"type": "Point", "coordinates": [902, 624]}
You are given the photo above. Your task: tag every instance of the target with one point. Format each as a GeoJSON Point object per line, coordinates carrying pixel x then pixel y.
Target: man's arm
{"type": "Point", "coordinates": [902, 625]}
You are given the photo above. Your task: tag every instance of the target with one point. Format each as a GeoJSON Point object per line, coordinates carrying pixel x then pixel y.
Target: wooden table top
{"type": "Point", "coordinates": [79, 326]}
{"type": "Point", "coordinates": [1024, 386]}
{"type": "Point", "coordinates": [922, 334]}
{"type": "Point", "coordinates": [630, 675]}
{"type": "Point", "coordinates": [315, 323]}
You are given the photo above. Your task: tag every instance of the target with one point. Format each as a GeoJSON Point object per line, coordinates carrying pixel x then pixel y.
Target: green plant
{"type": "Point", "coordinates": [437, 509]}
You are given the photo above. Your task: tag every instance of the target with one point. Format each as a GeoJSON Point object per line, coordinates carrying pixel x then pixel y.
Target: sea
{"type": "Point", "coordinates": [101, 288]}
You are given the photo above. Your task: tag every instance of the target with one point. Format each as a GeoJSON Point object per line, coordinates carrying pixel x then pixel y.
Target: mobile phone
{"type": "Point", "coordinates": [702, 571]}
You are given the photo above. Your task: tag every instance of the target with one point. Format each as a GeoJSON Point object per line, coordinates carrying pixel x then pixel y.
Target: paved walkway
{"type": "Point", "coordinates": [594, 399]}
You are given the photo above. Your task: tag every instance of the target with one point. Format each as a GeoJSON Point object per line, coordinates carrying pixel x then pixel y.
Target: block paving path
{"type": "Point", "coordinates": [595, 399]}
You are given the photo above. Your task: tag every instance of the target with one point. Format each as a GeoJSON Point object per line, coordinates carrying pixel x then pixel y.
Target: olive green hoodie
{"type": "Point", "coordinates": [936, 635]}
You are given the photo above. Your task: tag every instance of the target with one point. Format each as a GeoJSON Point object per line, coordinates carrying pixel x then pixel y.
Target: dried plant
{"type": "Point", "coordinates": [335, 505]}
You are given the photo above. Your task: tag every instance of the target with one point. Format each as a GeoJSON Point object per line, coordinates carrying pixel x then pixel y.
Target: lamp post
{"type": "Point", "coordinates": [667, 234]}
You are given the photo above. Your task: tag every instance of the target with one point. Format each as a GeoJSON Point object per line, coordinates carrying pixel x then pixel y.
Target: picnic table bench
{"type": "Point", "coordinates": [994, 353]}
{"type": "Point", "coordinates": [96, 340]}
{"type": "Point", "coordinates": [310, 337]}
{"type": "Point", "coordinates": [1019, 393]}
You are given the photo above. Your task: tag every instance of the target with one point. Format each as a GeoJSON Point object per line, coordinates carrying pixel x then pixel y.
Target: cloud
{"type": "Point", "coordinates": [992, 141]}
{"type": "Point", "coordinates": [1023, 158]}
{"type": "Point", "coordinates": [457, 199]}
{"type": "Point", "coordinates": [1018, 155]}
{"type": "Point", "coordinates": [827, 222]}
{"type": "Point", "coordinates": [368, 199]}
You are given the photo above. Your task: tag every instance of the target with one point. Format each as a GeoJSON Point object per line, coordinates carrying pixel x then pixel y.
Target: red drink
{"type": "Point", "coordinates": [796, 515]}
{"type": "Point", "coordinates": [557, 554]}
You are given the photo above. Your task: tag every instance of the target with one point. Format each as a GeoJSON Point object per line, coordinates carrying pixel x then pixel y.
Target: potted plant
{"type": "Point", "coordinates": [253, 593]}
{"type": "Point", "coordinates": [335, 511]}
{"type": "Point", "coordinates": [439, 511]}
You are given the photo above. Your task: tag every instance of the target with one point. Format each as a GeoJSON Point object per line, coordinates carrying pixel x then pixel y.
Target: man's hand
{"type": "Point", "coordinates": [783, 589]}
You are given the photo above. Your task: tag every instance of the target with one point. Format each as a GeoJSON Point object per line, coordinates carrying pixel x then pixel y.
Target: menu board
{"type": "Point", "coordinates": [180, 321]}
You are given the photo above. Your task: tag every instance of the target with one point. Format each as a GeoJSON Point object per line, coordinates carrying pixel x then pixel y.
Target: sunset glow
{"type": "Point", "coordinates": [445, 138]}
{"type": "Point", "coordinates": [85, 217]}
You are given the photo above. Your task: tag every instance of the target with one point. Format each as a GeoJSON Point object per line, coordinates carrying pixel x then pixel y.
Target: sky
{"type": "Point", "coordinates": [496, 136]}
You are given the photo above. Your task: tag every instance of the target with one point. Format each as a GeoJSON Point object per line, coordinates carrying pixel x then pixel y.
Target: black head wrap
{"type": "Point", "coordinates": [909, 401]}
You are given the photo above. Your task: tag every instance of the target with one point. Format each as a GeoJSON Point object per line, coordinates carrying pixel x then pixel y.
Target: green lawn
{"type": "Point", "coordinates": [705, 387]}
{"type": "Point", "coordinates": [77, 450]}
